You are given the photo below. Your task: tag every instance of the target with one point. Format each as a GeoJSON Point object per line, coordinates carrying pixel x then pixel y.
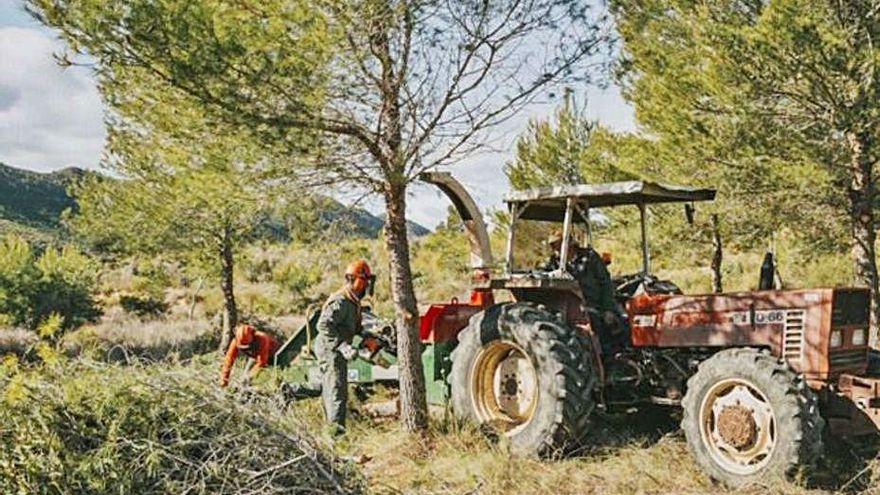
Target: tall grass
{"type": "Point", "coordinates": [627, 454]}
{"type": "Point", "coordinates": [122, 338]}
{"type": "Point", "coordinates": [17, 341]}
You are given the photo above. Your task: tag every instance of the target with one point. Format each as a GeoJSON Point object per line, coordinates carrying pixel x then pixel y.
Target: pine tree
{"type": "Point", "coordinates": [181, 186]}
{"type": "Point", "coordinates": [394, 87]}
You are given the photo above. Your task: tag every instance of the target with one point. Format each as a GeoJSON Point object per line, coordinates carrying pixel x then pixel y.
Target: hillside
{"type": "Point", "coordinates": [31, 203]}
{"type": "Point", "coordinates": [34, 199]}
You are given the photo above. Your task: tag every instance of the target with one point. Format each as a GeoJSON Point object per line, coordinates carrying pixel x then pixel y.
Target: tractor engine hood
{"type": "Point", "coordinates": [474, 225]}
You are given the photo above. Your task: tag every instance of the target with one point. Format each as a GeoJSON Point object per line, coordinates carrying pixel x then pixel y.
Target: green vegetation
{"type": "Point", "coordinates": [227, 118]}
{"type": "Point", "coordinates": [34, 199]}
{"type": "Point", "coordinates": [810, 245]}
{"type": "Point", "coordinates": [775, 102]}
{"type": "Point", "coordinates": [567, 149]}
{"type": "Point", "coordinates": [367, 89]}
{"type": "Point", "coordinates": [57, 285]}
{"type": "Point", "coordinates": [32, 204]}
{"type": "Point", "coordinates": [82, 427]}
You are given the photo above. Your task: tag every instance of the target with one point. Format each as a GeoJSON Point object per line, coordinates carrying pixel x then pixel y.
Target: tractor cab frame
{"type": "Point", "coordinates": [568, 205]}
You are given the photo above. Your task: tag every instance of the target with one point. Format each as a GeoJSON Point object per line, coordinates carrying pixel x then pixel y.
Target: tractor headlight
{"type": "Point", "coordinates": [836, 338]}
{"type": "Point", "coordinates": [858, 337]}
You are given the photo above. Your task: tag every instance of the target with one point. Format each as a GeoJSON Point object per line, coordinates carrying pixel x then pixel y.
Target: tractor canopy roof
{"type": "Point", "coordinates": [549, 203]}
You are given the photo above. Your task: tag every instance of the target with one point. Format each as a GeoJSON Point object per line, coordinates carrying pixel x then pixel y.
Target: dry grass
{"type": "Point", "coordinates": [641, 453]}
{"type": "Point", "coordinates": [17, 341]}
{"type": "Point", "coordinates": [119, 338]}
{"type": "Point", "coordinates": [628, 456]}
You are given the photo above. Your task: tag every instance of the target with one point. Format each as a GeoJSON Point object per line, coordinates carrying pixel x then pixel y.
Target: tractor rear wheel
{"type": "Point", "coordinates": [522, 371]}
{"type": "Point", "coordinates": [748, 418]}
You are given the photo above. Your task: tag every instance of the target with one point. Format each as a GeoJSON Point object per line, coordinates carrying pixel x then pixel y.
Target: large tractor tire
{"type": "Point", "coordinates": [522, 371]}
{"type": "Point", "coordinates": [749, 418]}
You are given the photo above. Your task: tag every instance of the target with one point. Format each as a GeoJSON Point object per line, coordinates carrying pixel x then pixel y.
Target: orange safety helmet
{"type": "Point", "coordinates": [360, 276]}
{"type": "Point", "coordinates": [244, 336]}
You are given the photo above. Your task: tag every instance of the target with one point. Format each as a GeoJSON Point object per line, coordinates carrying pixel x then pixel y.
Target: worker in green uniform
{"type": "Point", "coordinates": [340, 320]}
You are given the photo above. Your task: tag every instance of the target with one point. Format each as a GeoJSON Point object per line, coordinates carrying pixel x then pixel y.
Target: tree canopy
{"type": "Point", "coordinates": [775, 99]}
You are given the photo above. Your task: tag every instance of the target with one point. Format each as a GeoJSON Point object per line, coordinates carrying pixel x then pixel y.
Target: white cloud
{"type": "Point", "coordinates": [50, 117]}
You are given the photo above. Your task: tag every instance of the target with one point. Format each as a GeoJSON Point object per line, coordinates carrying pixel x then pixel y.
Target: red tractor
{"type": "Point", "coordinates": [759, 375]}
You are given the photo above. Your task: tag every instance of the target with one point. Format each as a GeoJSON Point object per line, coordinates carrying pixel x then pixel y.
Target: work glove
{"type": "Point", "coordinates": [347, 351]}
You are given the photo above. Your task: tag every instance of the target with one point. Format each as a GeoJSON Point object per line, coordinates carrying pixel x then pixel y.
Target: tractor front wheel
{"type": "Point", "coordinates": [522, 371]}
{"type": "Point", "coordinates": [748, 418]}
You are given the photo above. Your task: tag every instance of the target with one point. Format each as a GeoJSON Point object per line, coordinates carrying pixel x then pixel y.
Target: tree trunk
{"type": "Point", "coordinates": [861, 196]}
{"type": "Point", "coordinates": [195, 298]}
{"type": "Point", "coordinates": [230, 310]}
{"type": "Point", "coordinates": [413, 405]}
{"type": "Point", "coordinates": [717, 256]}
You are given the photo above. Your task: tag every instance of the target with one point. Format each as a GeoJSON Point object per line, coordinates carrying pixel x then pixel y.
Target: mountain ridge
{"type": "Point", "coordinates": [35, 201]}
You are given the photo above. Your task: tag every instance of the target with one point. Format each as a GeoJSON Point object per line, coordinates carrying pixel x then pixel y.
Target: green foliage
{"type": "Point", "coordinates": [50, 327]}
{"type": "Point", "coordinates": [36, 236]}
{"type": "Point", "coordinates": [569, 149]}
{"type": "Point", "coordinates": [257, 65]}
{"type": "Point", "coordinates": [761, 99]}
{"type": "Point", "coordinates": [18, 279]}
{"type": "Point", "coordinates": [808, 243]}
{"type": "Point", "coordinates": [65, 287]}
{"type": "Point", "coordinates": [440, 265]}
{"type": "Point", "coordinates": [87, 428]}
{"type": "Point", "coordinates": [193, 191]}
{"type": "Point", "coordinates": [369, 88]}
{"type": "Point", "coordinates": [296, 277]}
{"type": "Point", "coordinates": [56, 284]}
{"type": "Point", "coordinates": [34, 199]}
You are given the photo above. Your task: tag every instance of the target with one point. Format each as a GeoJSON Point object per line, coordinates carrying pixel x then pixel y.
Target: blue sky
{"type": "Point", "coordinates": [52, 118]}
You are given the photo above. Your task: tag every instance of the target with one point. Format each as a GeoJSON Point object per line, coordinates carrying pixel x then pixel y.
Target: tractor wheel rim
{"type": "Point", "coordinates": [505, 386]}
{"type": "Point", "coordinates": [738, 426]}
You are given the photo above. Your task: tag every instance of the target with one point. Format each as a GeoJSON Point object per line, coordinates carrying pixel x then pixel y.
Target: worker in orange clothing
{"type": "Point", "coordinates": [255, 344]}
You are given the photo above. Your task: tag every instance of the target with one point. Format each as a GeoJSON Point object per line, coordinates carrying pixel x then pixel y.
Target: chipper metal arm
{"type": "Point", "coordinates": [474, 225]}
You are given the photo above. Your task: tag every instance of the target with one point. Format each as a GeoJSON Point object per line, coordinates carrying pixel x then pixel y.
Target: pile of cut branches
{"type": "Point", "coordinates": [82, 427]}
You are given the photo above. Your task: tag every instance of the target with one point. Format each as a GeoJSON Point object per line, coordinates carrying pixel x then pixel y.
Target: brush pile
{"type": "Point", "coordinates": [82, 427]}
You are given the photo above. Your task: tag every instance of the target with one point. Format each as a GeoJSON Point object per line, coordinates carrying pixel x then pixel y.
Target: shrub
{"type": "Point", "coordinates": [91, 428]}
{"type": "Point", "coordinates": [296, 277]}
{"type": "Point", "coordinates": [18, 280]}
{"type": "Point", "coordinates": [58, 282]}
{"type": "Point", "coordinates": [153, 276]}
